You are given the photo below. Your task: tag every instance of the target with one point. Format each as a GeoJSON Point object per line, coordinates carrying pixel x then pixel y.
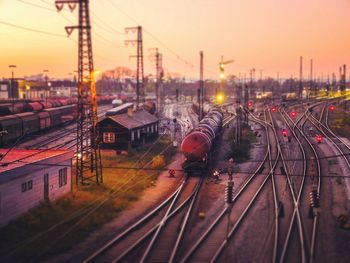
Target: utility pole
{"type": "Point", "coordinates": [159, 72]}
{"type": "Point", "coordinates": [222, 64]}
{"type": "Point", "coordinates": [311, 72]}
{"type": "Point", "coordinates": [139, 57]}
{"type": "Point", "coordinates": [201, 87]}
{"type": "Point", "coordinates": [301, 78]}
{"type": "Point", "coordinates": [252, 74]}
{"type": "Point", "coordinates": [88, 155]}
{"type": "Point", "coordinates": [12, 67]}
{"type": "Point", "coordinates": [47, 84]}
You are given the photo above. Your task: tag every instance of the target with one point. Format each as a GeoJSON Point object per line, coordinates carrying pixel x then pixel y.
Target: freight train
{"type": "Point", "coordinates": [15, 126]}
{"type": "Point", "coordinates": [149, 106]}
{"type": "Point", "coordinates": [197, 145]}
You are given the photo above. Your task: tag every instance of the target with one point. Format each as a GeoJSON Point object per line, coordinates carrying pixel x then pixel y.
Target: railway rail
{"type": "Point", "coordinates": [195, 253]}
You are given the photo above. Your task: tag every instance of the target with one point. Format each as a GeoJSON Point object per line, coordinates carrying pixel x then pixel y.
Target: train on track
{"type": "Point", "coordinates": [197, 145]}
{"type": "Point", "coordinates": [149, 106]}
{"type": "Point", "coordinates": [8, 107]}
{"type": "Point", "coordinates": [15, 126]}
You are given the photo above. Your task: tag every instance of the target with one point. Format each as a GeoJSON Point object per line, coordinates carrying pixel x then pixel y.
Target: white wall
{"type": "Point", "coordinates": [14, 202]}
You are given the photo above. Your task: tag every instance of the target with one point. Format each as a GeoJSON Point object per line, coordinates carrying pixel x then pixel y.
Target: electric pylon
{"type": "Point", "coordinates": [139, 56]}
{"type": "Point", "coordinates": [201, 87]}
{"type": "Point", "coordinates": [88, 155]}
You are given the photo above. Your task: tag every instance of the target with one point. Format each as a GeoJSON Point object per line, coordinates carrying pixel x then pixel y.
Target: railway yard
{"type": "Point", "coordinates": [156, 157]}
{"type": "Point", "coordinates": [286, 202]}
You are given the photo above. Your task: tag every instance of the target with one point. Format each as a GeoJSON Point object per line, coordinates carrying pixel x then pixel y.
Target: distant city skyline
{"type": "Point", "coordinates": [270, 35]}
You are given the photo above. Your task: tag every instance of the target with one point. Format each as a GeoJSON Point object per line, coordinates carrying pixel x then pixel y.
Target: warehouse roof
{"type": "Point", "coordinates": [138, 119]}
{"type": "Point", "coordinates": [17, 158]}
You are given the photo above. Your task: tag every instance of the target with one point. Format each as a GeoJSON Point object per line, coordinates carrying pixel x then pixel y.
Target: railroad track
{"type": "Point", "coordinates": [159, 225]}
{"type": "Point", "coordinates": [67, 134]}
{"type": "Point", "coordinates": [314, 182]}
{"type": "Point", "coordinates": [295, 194]}
{"type": "Point", "coordinates": [341, 146]}
{"type": "Point", "coordinates": [156, 237]}
{"type": "Point", "coordinates": [212, 244]}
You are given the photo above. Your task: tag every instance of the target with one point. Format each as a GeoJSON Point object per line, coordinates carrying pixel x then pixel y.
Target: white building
{"type": "Point", "coordinates": [29, 177]}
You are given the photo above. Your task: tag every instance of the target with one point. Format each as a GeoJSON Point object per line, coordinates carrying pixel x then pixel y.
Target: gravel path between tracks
{"type": "Point", "coordinates": [151, 197]}
{"type": "Point", "coordinates": [333, 242]}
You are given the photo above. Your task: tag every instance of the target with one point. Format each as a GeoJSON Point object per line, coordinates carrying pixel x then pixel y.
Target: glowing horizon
{"type": "Point", "coordinates": [269, 35]}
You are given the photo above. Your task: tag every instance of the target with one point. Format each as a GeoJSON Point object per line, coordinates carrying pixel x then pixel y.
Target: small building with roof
{"type": "Point", "coordinates": [129, 130]}
{"type": "Point", "coordinates": [30, 177]}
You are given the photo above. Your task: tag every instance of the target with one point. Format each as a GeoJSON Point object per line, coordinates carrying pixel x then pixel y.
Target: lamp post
{"type": "Point", "coordinates": [12, 67]}
{"type": "Point", "coordinates": [47, 84]}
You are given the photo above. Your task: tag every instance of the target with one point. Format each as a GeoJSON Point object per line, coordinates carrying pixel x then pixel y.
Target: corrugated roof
{"type": "Point", "coordinates": [139, 118]}
{"type": "Point", "coordinates": [20, 157]}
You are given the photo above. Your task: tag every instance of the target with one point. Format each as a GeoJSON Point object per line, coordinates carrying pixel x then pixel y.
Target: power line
{"type": "Point", "coordinates": [181, 170]}
{"type": "Point", "coordinates": [154, 37]}
{"type": "Point", "coordinates": [32, 29]}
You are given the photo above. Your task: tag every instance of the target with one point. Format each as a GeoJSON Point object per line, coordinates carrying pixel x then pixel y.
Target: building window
{"type": "Point", "coordinates": [138, 133]}
{"type": "Point", "coordinates": [62, 177]}
{"type": "Point", "coordinates": [26, 186]}
{"type": "Point", "coordinates": [147, 129]}
{"type": "Point", "coordinates": [132, 136]}
{"type": "Point", "coordinates": [156, 127]}
{"type": "Point", "coordinates": [109, 137]}
{"type": "Point", "coordinates": [151, 128]}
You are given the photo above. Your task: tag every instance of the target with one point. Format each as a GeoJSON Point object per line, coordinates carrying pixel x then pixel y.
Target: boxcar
{"type": "Point", "coordinates": [45, 120]}
{"type": "Point", "coordinates": [11, 128]}
{"type": "Point", "coordinates": [5, 109]}
{"type": "Point", "coordinates": [30, 122]}
{"type": "Point", "coordinates": [55, 115]}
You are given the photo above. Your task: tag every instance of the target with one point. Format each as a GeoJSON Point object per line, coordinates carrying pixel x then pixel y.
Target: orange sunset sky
{"type": "Point", "coordinates": [260, 34]}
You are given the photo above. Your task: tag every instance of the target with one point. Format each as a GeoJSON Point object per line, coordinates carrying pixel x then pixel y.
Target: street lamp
{"type": "Point", "coordinates": [47, 84]}
{"type": "Point", "coordinates": [12, 86]}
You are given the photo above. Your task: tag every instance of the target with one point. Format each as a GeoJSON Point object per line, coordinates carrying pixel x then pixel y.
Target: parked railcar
{"type": "Point", "coordinates": [30, 122]}
{"type": "Point", "coordinates": [11, 128]}
{"type": "Point", "coordinates": [55, 115]}
{"type": "Point", "coordinates": [33, 106]}
{"type": "Point", "coordinates": [197, 145]}
{"type": "Point", "coordinates": [5, 109]}
{"type": "Point", "coordinates": [120, 109]}
{"type": "Point", "coordinates": [45, 120]}
{"type": "Point", "coordinates": [149, 106]}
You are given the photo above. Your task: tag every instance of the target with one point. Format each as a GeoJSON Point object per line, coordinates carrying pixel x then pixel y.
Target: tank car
{"type": "Point", "coordinates": [197, 145]}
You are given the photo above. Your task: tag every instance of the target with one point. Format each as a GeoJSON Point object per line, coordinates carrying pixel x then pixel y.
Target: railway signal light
{"type": "Point", "coordinates": [250, 104]}
{"type": "Point", "coordinates": [331, 108]}
{"type": "Point", "coordinates": [293, 114]}
{"type": "Point", "coordinates": [273, 109]}
{"type": "Point", "coordinates": [285, 132]}
{"type": "Point", "coordinates": [318, 138]}
{"type": "Point", "coordinates": [171, 173]}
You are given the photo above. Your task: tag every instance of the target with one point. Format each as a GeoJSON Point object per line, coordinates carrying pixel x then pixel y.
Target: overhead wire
{"type": "Point", "coordinates": [175, 54]}
{"type": "Point", "coordinates": [102, 199]}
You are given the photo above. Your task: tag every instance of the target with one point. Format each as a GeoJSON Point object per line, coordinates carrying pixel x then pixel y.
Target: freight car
{"type": "Point", "coordinates": [15, 126]}
{"type": "Point", "coordinates": [149, 106]}
{"type": "Point", "coordinates": [197, 145]}
{"type": "Point", "coordinates": [120, 109]}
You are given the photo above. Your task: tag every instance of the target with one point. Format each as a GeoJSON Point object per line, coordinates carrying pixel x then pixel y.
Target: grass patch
{"type": "Point", "coordinates": [77, 214]}
{"type": "Point", "coordinates": [240, 151]}
{"type": "Point", "coordinates": [340, 122]}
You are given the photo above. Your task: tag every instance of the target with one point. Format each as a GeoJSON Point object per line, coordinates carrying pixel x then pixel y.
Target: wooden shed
{"type": "Point", "coordinates": [129, 130]}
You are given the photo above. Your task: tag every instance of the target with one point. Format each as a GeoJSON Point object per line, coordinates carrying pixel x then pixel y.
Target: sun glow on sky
{"type": "Point", "coordinates": [260, 34]}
